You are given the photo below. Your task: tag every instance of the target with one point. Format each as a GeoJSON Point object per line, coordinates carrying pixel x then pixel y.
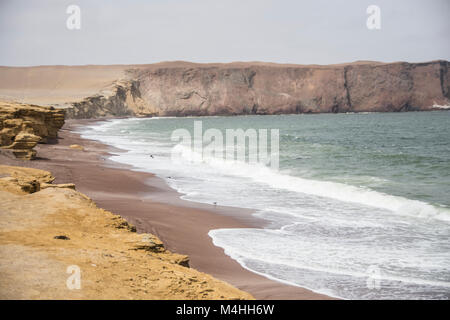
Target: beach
{"type": "Point", "coordinates": [156, 151]}
{"type": "Point", "coordinates": [147, 202]}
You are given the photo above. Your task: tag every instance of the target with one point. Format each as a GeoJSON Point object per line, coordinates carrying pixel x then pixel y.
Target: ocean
{"type": "Point", "coordinates": [358, 209]}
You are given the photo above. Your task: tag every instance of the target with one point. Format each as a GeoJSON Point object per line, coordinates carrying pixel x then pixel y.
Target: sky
{"type": "Point", "coordinates": [34, 32]}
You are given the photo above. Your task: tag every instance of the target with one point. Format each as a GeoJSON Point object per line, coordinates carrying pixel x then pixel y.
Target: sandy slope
{"type": "Point", "coordinates": [56, 84]}
{"type": "Point", "coordinates": [115, 262]}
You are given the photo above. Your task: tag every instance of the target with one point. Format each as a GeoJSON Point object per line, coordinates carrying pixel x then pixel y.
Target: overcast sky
{"type": "Point", "coordinates": [303, 32]}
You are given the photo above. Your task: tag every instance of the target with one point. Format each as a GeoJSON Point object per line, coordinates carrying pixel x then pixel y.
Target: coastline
{"type": "Point", "coordinates": [48, 231]}
{"type": "Point", "coordinates": [152, 206]}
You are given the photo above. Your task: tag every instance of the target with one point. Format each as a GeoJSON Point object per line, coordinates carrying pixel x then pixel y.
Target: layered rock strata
{"type": "Point", "coordinates": [23, 126]}
{"type": "Point", "coordinates": [193, 89]}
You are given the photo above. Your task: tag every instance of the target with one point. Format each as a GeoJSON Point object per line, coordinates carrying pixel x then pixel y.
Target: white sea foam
{"type": "Point", "coordinates": [222, 237]}
{"type": "Point", "coordinates": [338, 191]}
{"type": "Point", "coordinates": [323, 235]}
{"type": "Point", "coordinates": [321, 272]}
{"type": "Point", "coordinates": [437, 106]}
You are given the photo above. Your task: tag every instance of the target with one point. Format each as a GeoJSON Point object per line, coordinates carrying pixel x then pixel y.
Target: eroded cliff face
{"type": "Point", "coordinates": [122, 100]}
{"type": "Point", "coordinates": [183, 88]}
{"type": "Point", "coordinates": [234, 89]}
{"type": "Point", "coordinates": [23, 126]}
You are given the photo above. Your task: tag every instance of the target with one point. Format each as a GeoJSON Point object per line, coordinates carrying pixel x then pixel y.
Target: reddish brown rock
{"type": "Point", "coordinates": [273, 89]}
{"type": "Point", "coordinates": [183, 88]}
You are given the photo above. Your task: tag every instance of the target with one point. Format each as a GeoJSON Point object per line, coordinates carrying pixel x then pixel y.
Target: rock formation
{"type": "Point", "coordinates": [186, 89]}
{"type": "Point", "coordinates": [23, 126]}
{"type": "Point", "coordinates": [76, 147]}
{"type": "Point", "coordinates": [43, 231]}
{"type": "Point", "coordinates": [274, 89]}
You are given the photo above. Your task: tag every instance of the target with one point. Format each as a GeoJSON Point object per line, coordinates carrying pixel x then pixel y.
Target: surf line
{"type": "Point", "coordinates": [210, 144]}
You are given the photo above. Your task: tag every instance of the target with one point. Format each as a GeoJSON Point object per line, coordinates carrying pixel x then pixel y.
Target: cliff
{"type": "Point", "coordinates": [46, 228]}
{"type": "Point", "coordinates": [23, 126]}
{"type": "Point", "coordinates": [182, 88]}
{"type": "Point", "coordinates": [271, 89]}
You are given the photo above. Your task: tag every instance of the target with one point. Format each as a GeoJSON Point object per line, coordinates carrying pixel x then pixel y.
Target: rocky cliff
{"type": "Point", "coordinates": [182, 88]}
{"type": "Point", "coordinates": [273, 89]}
{"type": "Point", "coordinates": [23, 126]}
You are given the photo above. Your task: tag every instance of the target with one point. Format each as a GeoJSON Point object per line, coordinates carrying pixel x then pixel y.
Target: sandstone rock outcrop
{"type": "Point", "coordinates": [43, 231]}
{"type": "Point", "coordinates": [23, 126]}
{"type": "Point", "coordinates": [26, 180]}
{"type": "Point", "coordinates": [76, 147]}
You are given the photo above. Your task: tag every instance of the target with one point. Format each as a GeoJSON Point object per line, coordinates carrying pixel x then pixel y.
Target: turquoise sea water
{"type": "Point", "coordinates": [358, 209]}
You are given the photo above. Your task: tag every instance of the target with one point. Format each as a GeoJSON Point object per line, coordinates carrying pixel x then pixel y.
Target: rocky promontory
{"type": "Point", "coordinates": [189, 89]}
{"type": "Point", "coordinates": [23, 126]}
{"type": "Point", "coordinates": [277, 89]}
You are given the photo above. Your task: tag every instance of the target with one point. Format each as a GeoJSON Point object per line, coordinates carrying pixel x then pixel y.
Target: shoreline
{"type": "Point", "coordinates": [146, 201]}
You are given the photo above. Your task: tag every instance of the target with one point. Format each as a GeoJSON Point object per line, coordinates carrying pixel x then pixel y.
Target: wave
{"type": "Point", "coordinates": [437, 106]}
{"type": "Point", "coordinates": [258, 255]}
{"type": "Point", "coordinates": [282, 179]}
{"type": "Point", "coordinates": [326, 189]}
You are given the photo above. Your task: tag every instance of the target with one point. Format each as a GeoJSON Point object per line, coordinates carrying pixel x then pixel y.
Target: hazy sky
{"type": "Point", "coordinates": [304, 32]}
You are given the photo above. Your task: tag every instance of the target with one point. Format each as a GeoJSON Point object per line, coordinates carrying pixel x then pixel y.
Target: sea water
{"type": "Point", "coordinates": [359, 208]}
